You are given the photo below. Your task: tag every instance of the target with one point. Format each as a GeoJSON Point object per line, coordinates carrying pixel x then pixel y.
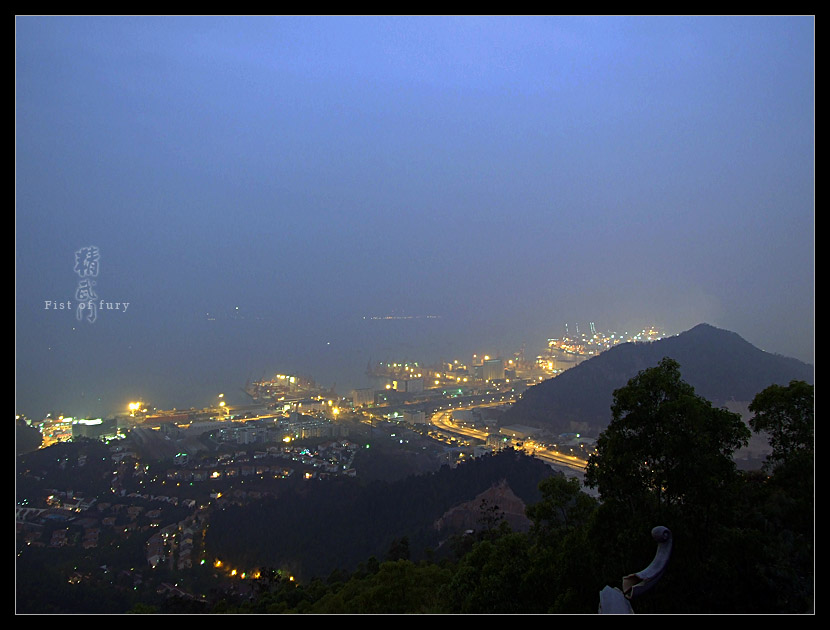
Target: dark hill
{"type": "Point", "coordinates": [719, 364]}
{"type": "Point", "coordinates": [341, 522]}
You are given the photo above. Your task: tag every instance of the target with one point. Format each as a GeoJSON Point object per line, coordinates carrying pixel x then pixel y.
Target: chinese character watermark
{"type": "Point", "coordinates": [86, 262]}
{"type": "Point", "coordinates": [87, 266]}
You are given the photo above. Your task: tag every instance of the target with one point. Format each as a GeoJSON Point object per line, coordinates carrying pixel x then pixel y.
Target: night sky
{"type": "Point", "coordinates": [290, 176]}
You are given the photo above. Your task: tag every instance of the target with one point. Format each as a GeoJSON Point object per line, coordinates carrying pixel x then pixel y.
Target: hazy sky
{"type": "Point", "coordinates": [508, 174]}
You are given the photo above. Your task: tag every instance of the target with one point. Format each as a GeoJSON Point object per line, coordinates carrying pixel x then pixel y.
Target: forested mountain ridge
{"type": "Point", "coordinates": [719, 364]}
{"type": "Point", "coordinates": [338, 524]}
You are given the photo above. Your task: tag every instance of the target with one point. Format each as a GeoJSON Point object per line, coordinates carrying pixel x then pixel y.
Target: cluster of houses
{"type": "Point", "coordinates": [330, 458]}
{"type": "Point", "coordinates": [74, 520]}
{"type": "Point", "coordinates": [294, 426]}
{"type": "Point", "coordinates": [174, 543]}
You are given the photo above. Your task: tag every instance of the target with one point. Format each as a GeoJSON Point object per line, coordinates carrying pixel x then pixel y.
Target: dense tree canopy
{"type": "Point", "coordinates": [666, 447]}
{"type": "Point", "coordinates": [666, 458]}
{"type": "Point", "coordinates": [787, 416]}
{"type": "Point", "coordinates": [786, 499]}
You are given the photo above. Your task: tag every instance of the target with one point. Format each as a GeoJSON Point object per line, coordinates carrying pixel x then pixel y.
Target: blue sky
{"type": "Point", "coordinates": [507, 174]}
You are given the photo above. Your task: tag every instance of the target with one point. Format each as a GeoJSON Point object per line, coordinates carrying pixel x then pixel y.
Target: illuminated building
{"type": "Point", "coordinates": [365, 396]}
{"type": "Point", "coordinates": [492, 370]}
{"type": "Point", "coordinates": [95, 428]}
{"type": "Point", "coordinates": [414, 417]}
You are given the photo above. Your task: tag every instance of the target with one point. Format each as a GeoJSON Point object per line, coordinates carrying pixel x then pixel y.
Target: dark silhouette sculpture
{"type": "Point", "coordinates": [613, 601]}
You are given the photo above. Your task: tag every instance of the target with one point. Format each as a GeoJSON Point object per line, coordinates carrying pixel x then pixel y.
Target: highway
{"type": "Point", "coordinates": [442, 421]}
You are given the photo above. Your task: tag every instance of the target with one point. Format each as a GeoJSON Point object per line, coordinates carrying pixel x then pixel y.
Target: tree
{"type": "Point", "coordinates": [560, 577]}
{"type": "Point", "coordinates": [787, 416]}
{"type": "Point", "coordinates": [666, 459]}
{"type": "Point", "coordinates": [398, 550]}
{"type": "Point", "coordinates": [495, 577]}
{"type": "Point", "coordinates": [666, 449]}
{"type": "Point", "coordinates": [563, 507]}
{"type": "Point", "coordinates": [787, 500]}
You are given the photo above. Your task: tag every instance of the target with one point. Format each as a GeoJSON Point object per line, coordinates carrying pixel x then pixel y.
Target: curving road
{"type": "Point", "coordinates": [443, 421]}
